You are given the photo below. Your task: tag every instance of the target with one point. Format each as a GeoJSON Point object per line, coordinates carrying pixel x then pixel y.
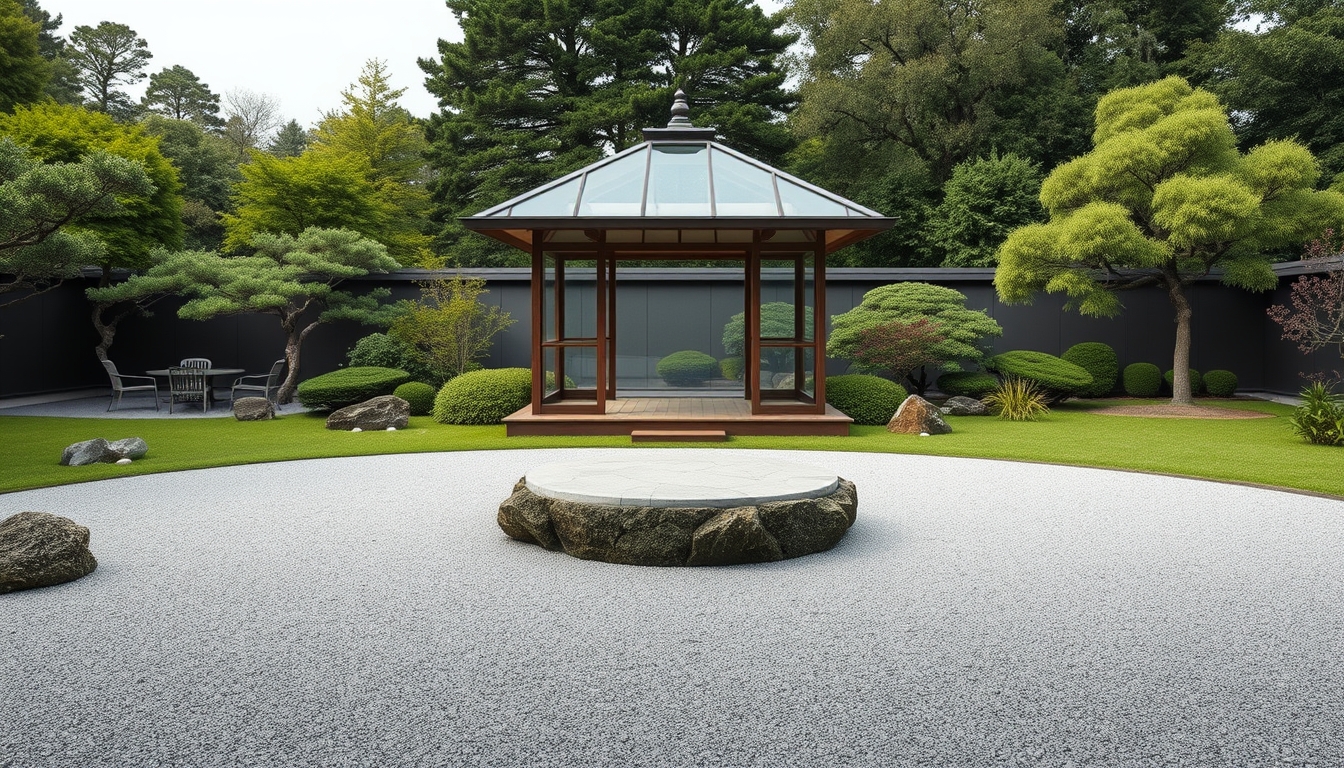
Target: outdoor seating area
{"type": "Point", "coordinates": [193, 381]}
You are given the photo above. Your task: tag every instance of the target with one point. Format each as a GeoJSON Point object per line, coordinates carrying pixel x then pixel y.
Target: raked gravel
{"type": "Point", "coordinates": [369, 612]}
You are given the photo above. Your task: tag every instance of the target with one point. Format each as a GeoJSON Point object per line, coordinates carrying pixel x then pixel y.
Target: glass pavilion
{"type": "Point", "coordinates": [679, 194]}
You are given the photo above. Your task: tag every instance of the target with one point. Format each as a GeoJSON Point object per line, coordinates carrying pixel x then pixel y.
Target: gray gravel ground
{"type": "Point", "coordinates": [369, 612]}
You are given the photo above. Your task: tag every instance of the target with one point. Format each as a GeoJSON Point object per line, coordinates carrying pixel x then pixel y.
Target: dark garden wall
{"type": "Point", "coordinates": [46, 343]}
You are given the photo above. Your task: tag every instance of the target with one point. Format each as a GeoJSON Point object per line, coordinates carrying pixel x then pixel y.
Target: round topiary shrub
{"type": "Point", "coordinates": [1099, 360]}
{"type": "Point", "coordinates": [974, 384]}
{"type": "Point", "coordinates": [732, 368]}
{"type": "Point", "coordinates": [348, 386]}
{"type": "Point", "coordinates": [1220, 383]}
{"type": "Point", "coordinates": [420, 396]}
{"type": "Point", "coordinates": [1058, 379]}
{"type": "Point", "coordinates": [1141, 379]}
{"type": "Point", "coordinates": [865, 399]}
{"type": "Point", "coordinates": [483, 397]}
{"type": "Point", "coordinates": [688, 368]}
{"type": "Point", "coordinates": [1196, 382]}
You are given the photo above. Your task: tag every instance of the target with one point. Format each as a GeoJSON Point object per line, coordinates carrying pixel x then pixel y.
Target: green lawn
{"type": "Point", "coordinates": [1261, 451]}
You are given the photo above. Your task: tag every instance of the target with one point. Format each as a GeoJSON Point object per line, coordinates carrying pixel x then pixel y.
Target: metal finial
{"type": "Point", "coordinates": [681, 111]}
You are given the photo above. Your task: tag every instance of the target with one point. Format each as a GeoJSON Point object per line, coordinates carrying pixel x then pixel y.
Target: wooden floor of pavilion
{"type": "Point", "coordinates": [628, 414]}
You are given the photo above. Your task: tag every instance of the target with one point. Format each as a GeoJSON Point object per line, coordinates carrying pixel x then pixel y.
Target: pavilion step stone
{"type": "Point", "coordinates": [678, 436]}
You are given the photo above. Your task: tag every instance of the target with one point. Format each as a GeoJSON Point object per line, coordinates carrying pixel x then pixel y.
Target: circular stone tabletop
{"type": "Point", "coordinates": [727, 481]}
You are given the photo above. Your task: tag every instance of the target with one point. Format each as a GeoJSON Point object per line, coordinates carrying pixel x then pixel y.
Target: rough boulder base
{"type": "Point", "coordinates": [39, 549]}
{"type": "Point", "coordinates": [99, 450]}
{"type": "Point", "coordinates": [673, 536]}
{"type": "Point", "coordinates": [965, 406]}
{"type": "Point", "coordinates": [916, 416]}
{"type": "Point", "coordinates": [378, 413]}
{"type": "Point", "coordinates": [253, 409]}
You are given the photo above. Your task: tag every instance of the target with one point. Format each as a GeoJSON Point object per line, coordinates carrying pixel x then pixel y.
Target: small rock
{"type": "Point", "coordinates": [88, 452]}
{"type": "Point", "coordinates": [391, 429]}
{"type": "Point", "coordinates": [965, 406]}
{"type": "Point", "coordinates": [917, 415]}
{"type": "Point", "coordinates": [38, 549]}
{"type": "Point", "coordinates": [377, 413]}
{"type": "Point", "coordinates": [253, 409]}
{"type": "Point", "coordinates": [357, 429]}
{"type": "Point", "coordinates": [129, 448]}
{"type": "Point", "coordinates": [123, 461]}
{"type": "Point", "coordinates": [923, 434]}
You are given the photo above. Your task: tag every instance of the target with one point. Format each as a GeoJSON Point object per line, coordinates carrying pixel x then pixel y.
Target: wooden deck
{"type": "Point", "coordinates": [628, 414]}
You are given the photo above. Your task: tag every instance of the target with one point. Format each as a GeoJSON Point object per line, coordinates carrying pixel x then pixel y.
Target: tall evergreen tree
{"type": "Point", "coordinates": [107, 56]}
{"type": "Point", "coordinates": [23, 71]}
{"type": "Point", "coordinates": [536, 90]}
{"type": "Point", "coordinates": [178, 93]}
{"type": "Point", "coordinates": [289, 141]}
{"type": "Point", "coordinates": [63, 85]}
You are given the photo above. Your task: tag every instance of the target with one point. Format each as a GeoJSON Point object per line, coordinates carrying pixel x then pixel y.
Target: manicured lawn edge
{"type": "Point", "coordinates": [1258, 452]}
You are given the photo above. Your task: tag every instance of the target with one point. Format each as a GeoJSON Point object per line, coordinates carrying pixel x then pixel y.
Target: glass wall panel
{"type": "Point", "coordinates": [580, 299]}
{"type": "Point", "coordinates": [548, 329]}
{"type": "Point", "coordinates": [550, 382]}
{"type": "Point", "coordinates": [678, 180]}
{"type": "Point", "coordinates": [580, 368]}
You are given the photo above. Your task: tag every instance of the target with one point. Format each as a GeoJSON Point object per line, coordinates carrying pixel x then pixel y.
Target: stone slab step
{"type": "Point", "coordinates": [678, 436]}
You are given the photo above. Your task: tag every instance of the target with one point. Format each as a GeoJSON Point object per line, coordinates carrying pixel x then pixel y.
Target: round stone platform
{"type": "Point", "coordinates": [734, 509]}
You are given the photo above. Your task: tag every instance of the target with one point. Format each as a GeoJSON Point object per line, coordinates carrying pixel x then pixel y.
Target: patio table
{"type": "Point", "coordinates": [210, 372]}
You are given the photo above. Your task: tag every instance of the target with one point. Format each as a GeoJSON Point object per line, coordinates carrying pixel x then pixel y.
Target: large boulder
{"type": "Point", "coordinates": [918, 416]}
{"type": "Point", "coordinates": [38, 549]}
{"type": "Point", "coordinates": [965, 406]}
{"type": "Point", "coordinates": [680, 535]}
{"type": "Point", "coordinates": [253, 409]}
{"type": "Point", "coordinates": [129, 448]}
{"type": "Point", "coordinates": [378, 413]}
{"type": "Point", "coordinates": [87, 452]}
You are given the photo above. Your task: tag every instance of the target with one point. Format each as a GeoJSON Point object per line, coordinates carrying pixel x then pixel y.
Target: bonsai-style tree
{"type": "Point", "coordinates": [1164, 199]}
{"type": "Point", "coordinates": [963, 329]}
{"type": "Point", "coordinates": [901, 348]}
{"type": "Point", "coordinates": [294, 279]}
{"type": "Point", "coordinates": [1316, 318]}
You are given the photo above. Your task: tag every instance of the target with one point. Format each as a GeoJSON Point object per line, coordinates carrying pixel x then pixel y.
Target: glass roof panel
{"type": "Point", "coordinates": [798, 201]}
{"type": "Point", "coordinates": [742, 189]}
{"type": "Point", "coordinates": [678, 180]}
{"type": "Point", "coordinates": [553, 202]}
{"type": "Point", "coordinates": [615, 189]}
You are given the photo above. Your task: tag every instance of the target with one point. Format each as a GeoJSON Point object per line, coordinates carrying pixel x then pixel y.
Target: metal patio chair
{"type": "Point", "coordinates": [120, 386]}
{"type": "Point", "coordinates": [196, 362]}
{"type": "Point", "coordinates": [188, 385]}
{"type": "Point", "coordinates": [268, 384]}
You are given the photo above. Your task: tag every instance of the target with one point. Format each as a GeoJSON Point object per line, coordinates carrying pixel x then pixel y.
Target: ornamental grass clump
{"type": "Point", "coordinates": [483, 397]}
{"type": "Point", "coordinates": [1320, 418]}
{"type": "Point", "coordinates": [1018, 400]}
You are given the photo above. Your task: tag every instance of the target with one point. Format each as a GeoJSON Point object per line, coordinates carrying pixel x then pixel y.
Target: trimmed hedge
{"type": "Point", "coordinates": [348, 386]}
{"type": "Point", "coordinates": [974, 384]}
{"type": "Point", "coordinates": [1059, 379]}
{"type": "Point", "coordinates": [1142, 379]}
{"type": "Point", "coordinates": [688, 368]}
{"type": "Point", "coordinates": [866, 399]}
{"type": "Point", "coordinates": [483, 397]}
{"type": "Point", "coordinates": [420, 396]}
{"type": "Point", "coordinates": [1220, 383]}
{"type": "Point", "coordinates": [1099, 360]}
{"type": "Point", "coordinates": [1196, 381]}
{"type": "Point", "coordinates": [732, 368]}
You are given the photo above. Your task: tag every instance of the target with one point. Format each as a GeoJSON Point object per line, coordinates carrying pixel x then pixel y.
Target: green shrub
{"type": "Point", "coordinates": [865, 399]}
{"type": "Point", "coordinates": [1196, 383]}
{"type": "Point", "coordinates": [1220, 383]}
{"type": "Point", "coordinates": [1099, 360]}
{"type": "Point", "coordinates": [483, 397]}
{"type": "Point", "coordinates": [1320, 418]}
{"type": "Point", "coordinates": [974, 384]}
{"type": "Point", "coordinates": [688, 368]}
{"type": "Point", "coordinates": [419, 394]}
{"type": "Point", "coordinates": [1018, 400]}
{"type": "Point", "coordinates": [1142, 379]}
{"type": "Point", "coordinates": [348, 386]}
{"type": "Point", "coordinates": [1057, 379]}
{"type": "Point", "coordinates": [383, 351]}
{"type": "Point", "coordinates": [732, 368]}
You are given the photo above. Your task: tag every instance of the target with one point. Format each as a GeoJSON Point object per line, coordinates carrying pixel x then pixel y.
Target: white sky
{"type": "Point", "coordinates": [301, 52]}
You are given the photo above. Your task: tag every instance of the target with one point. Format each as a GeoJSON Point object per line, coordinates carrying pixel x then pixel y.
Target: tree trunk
{"type": "Point", "coordinates": [1180, 363]}
{"type": "Point", "coordinates": [107, 331]}
{"type": "Point", "coordinates": [293, 343]}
